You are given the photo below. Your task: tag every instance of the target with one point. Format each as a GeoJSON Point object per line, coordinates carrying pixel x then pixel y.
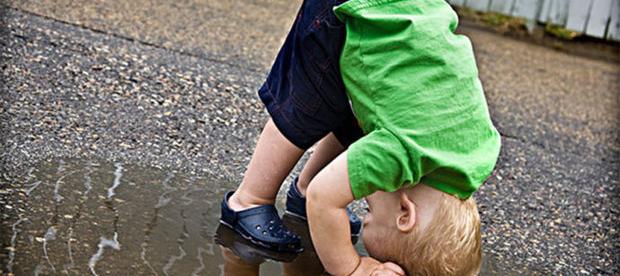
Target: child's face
{"type": "Point", "coordinates": [380, 223]}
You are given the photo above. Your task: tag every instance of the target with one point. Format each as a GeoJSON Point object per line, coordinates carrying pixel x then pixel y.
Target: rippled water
{"type": "Point", "coordinates": [81, 218]}
{"type": "Point", "coordinates": [98, 218]}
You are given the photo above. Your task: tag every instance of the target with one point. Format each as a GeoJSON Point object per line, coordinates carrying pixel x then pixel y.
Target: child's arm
{"type": "Point", "coordinates": [329, 227]}
{"type": "Point", "coordinates": [327, 197]}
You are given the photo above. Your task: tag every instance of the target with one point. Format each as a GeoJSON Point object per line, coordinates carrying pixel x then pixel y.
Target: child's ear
{"type": "Point", "coordinates": [406, 219]}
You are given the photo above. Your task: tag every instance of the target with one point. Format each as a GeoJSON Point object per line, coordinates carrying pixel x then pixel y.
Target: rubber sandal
{"type": "Point", "coordinates": [296, 206]}
{"type": "Point", "coordinates": [260, 225]}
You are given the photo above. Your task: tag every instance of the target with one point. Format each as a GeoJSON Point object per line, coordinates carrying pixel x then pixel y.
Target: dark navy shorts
{"type": "Point", "coordinates": [304, 92]}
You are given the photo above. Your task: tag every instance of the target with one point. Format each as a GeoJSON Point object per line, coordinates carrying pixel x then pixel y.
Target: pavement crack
{"type": "Point", "coordinates": [130, 39]}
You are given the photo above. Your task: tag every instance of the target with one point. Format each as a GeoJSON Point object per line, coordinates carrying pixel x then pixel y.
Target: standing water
{"type": "Point", "coordinates": [81, 218]}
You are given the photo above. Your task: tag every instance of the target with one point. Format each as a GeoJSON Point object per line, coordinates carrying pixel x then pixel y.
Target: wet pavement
{"type": "Point", "coordinates": [78, 217]}
{"type": "Point", "coordinates": [82, 218]}
{"type": "Point", "coordinates": [95, 218]}
{"type": "Point", "coordinates": [175, 92]}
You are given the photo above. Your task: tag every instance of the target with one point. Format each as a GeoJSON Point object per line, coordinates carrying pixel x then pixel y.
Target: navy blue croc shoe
{"type": "Point", "coordinates": [296, 206]}
{"type": "Point", "coordinates": [261, 225]}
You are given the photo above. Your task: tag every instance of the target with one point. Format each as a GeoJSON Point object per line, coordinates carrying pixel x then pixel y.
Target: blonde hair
{"type": "Point", "coordinates": [450, 244]}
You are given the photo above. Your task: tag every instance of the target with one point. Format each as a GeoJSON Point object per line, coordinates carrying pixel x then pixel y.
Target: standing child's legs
{"type": "Point", "coordinates": [326, 150]}
{"type": "Point", "coordinates": [305, 97]}
{"type": "Point", "coordinates": [274, 157]}
{"type": "Point", "coordinates": [250, 210]}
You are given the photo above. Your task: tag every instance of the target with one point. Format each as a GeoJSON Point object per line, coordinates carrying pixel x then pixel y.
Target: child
{"type": "Point", "coordinates": [428, 144]}
{"type": "Point", "coordinates": [305, 97]}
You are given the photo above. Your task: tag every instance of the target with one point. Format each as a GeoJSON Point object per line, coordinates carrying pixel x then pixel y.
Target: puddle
{"type": "Point", "coordinates": [81, 218]}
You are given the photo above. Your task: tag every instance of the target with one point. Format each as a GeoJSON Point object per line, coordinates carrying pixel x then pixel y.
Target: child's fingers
{"type": "Point", "coordinates": [385, 272]}
{"type": "Point", "coordinates": [394, 268]}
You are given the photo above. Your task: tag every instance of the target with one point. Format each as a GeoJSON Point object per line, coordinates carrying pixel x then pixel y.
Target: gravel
{"type": "Point", "coordinates": [551, 207]}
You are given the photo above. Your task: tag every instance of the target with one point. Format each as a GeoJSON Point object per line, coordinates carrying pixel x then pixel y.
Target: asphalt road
{"type": "Point", "coordinates": [172, 85]}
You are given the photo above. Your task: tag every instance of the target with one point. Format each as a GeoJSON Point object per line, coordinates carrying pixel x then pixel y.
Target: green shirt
{"type": "Point", "coordinates": [414, 88]}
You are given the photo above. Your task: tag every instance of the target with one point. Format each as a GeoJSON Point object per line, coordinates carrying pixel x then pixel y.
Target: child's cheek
{"type": "Point", "coordinates": [372, 244]}
{"type": "Point", "coordinates": [367, 240]}
{"type": "Point", "coordinates": [369, 234]}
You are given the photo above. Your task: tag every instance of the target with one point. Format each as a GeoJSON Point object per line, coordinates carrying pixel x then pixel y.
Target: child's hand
{"type": "Point", "coordinates": [372, 267]}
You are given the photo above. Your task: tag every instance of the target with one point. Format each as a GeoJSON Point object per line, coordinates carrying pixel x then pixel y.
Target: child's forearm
{"type": "Point", "coordinates": [327, 197]}
{"type": "Point", "coordinates": [330, 233]}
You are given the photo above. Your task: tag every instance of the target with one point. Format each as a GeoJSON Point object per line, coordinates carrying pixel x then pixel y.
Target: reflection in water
{"type": "Point", "coordinates": [201, 263]}
{"type": "Point", "coordinates": [241, 257]}
{"type": "Point", "coordinates": [31, 187]}
{"type": "Point", "coordinates": [181, 240]}
{"type": "Point", "coordinates": [57, 195]}
{"type": "Point", "coordinates": [173, 259]}
{"type": "Point", "coordinates": [87, 180]}
{"type": "Point", "coordinates": [164, 199]}
{"type": "Point", "coordinates": [118, 173]}
{"type": "Point", "coordinates": [113, 243]}
{"type": "Point", "coordinates": [71, 217]}
{"type": "Point", "coordinates": [71, 263]}
{"type": "Point", "coordinates": [11, 249]}
{"type": "Point", "coordinates": [29, 176]}
{"type": "Point", "coordinates": [50, 235]}
{"type": "Point", "coordinates": [60, 171]}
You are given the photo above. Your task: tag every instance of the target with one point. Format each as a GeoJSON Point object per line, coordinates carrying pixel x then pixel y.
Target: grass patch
{"type": "Point", "coordinates": [504, 23]}
{"type": "Point", "coordinates": [500, 22]}
{"type": "Point", "coordinates": [560, 32]}
{"type": "Point", "coordinates": [514, 25]}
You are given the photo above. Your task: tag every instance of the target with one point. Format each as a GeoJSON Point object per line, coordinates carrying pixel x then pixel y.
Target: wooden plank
{"type": "Point", "coordinates": [501, 6]}
{"type": "Point", "coordinates": [599, 16]}
{"type": "Point", "coordinates": [613, 31]}
{"type": "Point", "coordinates": [458, 3]}
{"type": "Point", "coordinates": [553, 11]}
{"type": "Point", "coordinates": [479, 5]}
{"type": "Point", "coordinates": [558, 12]}
{"type": "Point", "coordinates": [578, 12]}
{"type": "Point", "coordinates": [526, 9]}
{"type": "Point", "coordinates": [545, 7]}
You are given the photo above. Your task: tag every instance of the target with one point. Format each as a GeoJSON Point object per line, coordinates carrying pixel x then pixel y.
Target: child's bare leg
{"type": "Point", "coordinates": [326, 150]}
{"type": "Point", "coordinates": [274, 157]}
{"type": "Point", "coordinates": [233, 265]}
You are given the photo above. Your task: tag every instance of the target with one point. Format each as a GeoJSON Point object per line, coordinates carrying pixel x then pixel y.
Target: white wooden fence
{"type": "Point", "coordinates": [597, 18]}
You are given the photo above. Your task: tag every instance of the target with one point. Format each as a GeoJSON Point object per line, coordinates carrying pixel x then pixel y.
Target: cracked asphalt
{"type": "Point", "coordinates": [173, 86]}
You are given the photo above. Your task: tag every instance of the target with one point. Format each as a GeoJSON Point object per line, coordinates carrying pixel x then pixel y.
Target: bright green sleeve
{"type": "Point", "coordinates": [378, 161]}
